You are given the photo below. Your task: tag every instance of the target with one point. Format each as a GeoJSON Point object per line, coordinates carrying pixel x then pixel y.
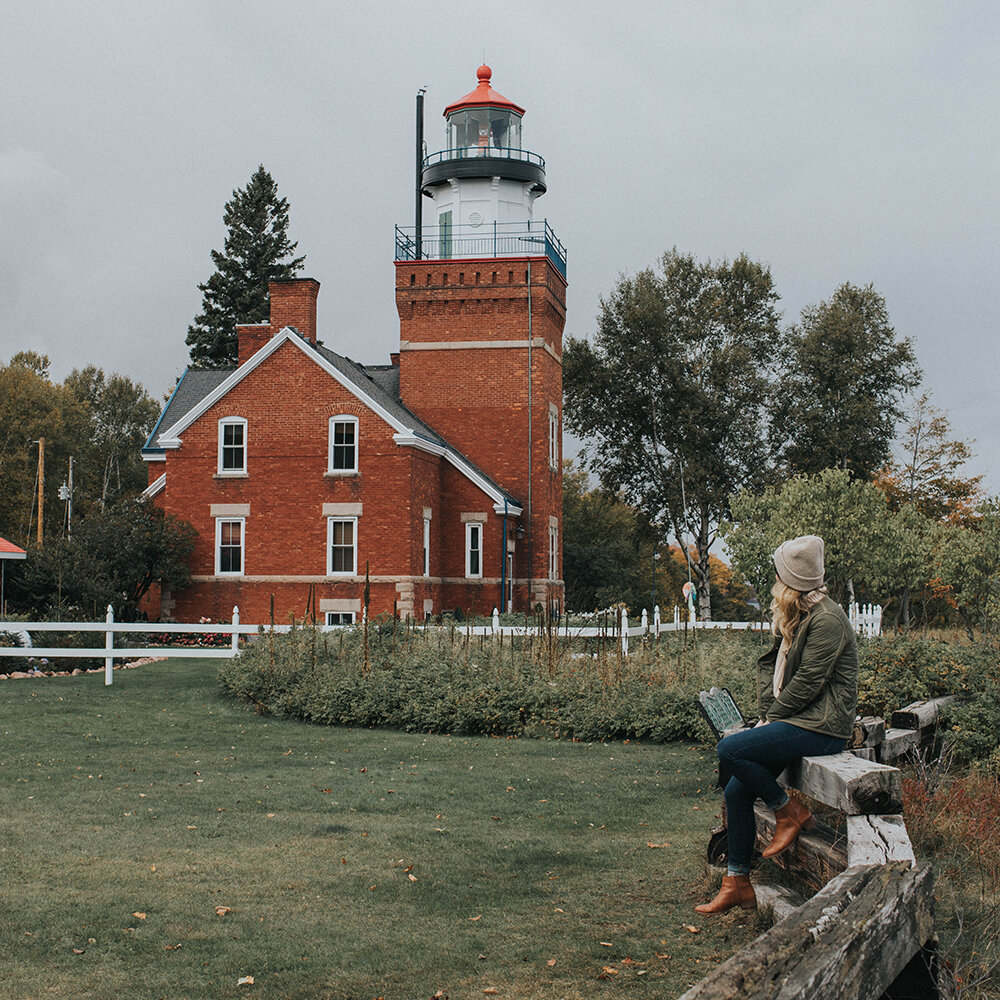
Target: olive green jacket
{"type": "Point", "coordinates": [820, 691]}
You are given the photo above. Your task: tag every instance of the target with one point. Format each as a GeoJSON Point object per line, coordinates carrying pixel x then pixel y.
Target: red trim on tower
{"type": "Point", "coordinates": [483, 96]}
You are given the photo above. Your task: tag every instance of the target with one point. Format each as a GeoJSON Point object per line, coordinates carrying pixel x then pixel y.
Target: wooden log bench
{"type": "Point", "coordinates": [852, 941]}
{"type": "Point", "coordinates": [868, 931]}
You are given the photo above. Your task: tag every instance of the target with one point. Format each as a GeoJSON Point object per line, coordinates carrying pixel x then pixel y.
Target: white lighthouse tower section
{"type": "Point", "coordinates": [481, 201]}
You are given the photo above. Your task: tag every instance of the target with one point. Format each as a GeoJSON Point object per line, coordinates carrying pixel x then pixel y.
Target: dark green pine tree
{"type": "Point", "coordinates": [257, 250]}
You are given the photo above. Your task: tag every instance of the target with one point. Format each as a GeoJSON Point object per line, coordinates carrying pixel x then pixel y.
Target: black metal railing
{"type": "Point", "coordinates": [493, 152]}
{"type": "Point", "coordinates": [492, 239]}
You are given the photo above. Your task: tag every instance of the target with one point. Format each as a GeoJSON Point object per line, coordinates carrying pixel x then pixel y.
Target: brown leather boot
{"type": "Point", "coordinates": [736, 890]}
{"type": "Point", "coordinates": [792, 817]}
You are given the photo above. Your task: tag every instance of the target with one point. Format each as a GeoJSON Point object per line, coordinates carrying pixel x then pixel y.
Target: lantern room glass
{"type": "Point", "coordinates": [483, 131]}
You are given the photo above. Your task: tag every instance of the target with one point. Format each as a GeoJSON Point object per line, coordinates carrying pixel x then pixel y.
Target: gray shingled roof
{"type": "Point", "coordinates": [194, 385]}
{"type": "Point", "coordinates": [380, 382]}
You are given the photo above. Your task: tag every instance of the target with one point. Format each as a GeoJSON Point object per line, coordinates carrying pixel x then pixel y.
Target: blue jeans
{"type": "Point", "coordinates": [754, 758]}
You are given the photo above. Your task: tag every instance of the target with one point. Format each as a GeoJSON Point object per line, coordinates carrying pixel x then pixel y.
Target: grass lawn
{"type": "Point", "coordinates": [351, 864]}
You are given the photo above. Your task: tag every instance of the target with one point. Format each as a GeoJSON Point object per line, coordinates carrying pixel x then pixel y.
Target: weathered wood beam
{"type": "Point", "coordinates": [869, 731]}
{"type": "Point", "coordinates": [898, 743]}
{"type": "Point", "coordinates": [920, 714]}
{"type": "Point", "coordinates": [817, 855]}
{"type": "Point", "coordinates": [848, 783]}
{"type": "Point", "coordinates": [878, 840]}
{"type": "Point", "coordinates": [851, 940]}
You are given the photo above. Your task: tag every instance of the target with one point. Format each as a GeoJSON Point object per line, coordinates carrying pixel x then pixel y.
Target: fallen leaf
{"type": "Point", "coordinates": [364, 770]}
{"type": "Point", "coordinates": [327, 791]}
{"type": "Point", "coordinates": [474, 919]}
{"type": "Point", "coordinates": [607, 944]}
{"type": "Point", "coordinates": [661, 954]}
{"type": "Point", "coordinates": [608, 970]}
{"type": "Point", "coordinates": [222, 910]}
{"type": "Point", "coordinates": [628, 961]}
{"type": "Point", "coordinates": [152, 868]}
{"type": "Point", "coordinates": [78, 951]}
{"type": "Point", "coordinates": [343, 861]}
{"type": "Point", "coordinates": [692, 928]}
{"type": "Point", "coordinates": [173, 947]}
{"type": "Point", "coordinates": [286, 753]}
{"type": "Point", "coordinates": [641, 972]}
{"type": "Point", "coordinates": [412, 877]}
{"type": "Point", "coordinates": [245, 981]}
{"type": "Point", "coordinates": [270, 815]}
{"type": "Point", "coordinates": [482, 958]}
{"type": "Point", "coordinates": [651, 844]}
{"type": "Point", "coordinates": [139, 916]}
{"type": "Point", "coordinates": [192, 828]}
{"type": "Point", "coordinates": [440, 995]}
{"type": "Point", "coordinates": [558, 910]}
{"type": "Point", "coordinates": [408, 868]}
{"type": "Point", "coordinates": [551, 962]}
{"type": "Point", "coordinates": [491, 990]}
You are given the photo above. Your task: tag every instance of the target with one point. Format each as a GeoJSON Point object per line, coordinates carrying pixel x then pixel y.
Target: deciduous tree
{"type": "Point", "coordinates": [672, 395]}
{"type": "Point", "coordinates": [846, 376]}
{"type": "Point", "coordinates": [114, 557]}
{"type": "Point", "coordinates": [257, 250]}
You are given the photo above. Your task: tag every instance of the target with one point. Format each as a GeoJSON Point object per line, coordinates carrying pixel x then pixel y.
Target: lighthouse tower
{"type": "Point", "coordinates": [481, 296]}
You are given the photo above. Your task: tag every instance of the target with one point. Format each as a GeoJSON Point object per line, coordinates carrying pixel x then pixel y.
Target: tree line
{"type": "Point", "coordinates": [709, 420]}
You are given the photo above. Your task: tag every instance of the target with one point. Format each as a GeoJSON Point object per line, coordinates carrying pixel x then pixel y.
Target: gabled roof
{"type": "Point", "coordinates": [376, 386]}
{"type": "Point", "coordinates": [8, 550]}
{"type": "Point", "coordinates": [192, 387]}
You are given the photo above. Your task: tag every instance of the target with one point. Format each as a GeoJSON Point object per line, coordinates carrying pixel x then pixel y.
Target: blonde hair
{"type": "Point", "coordinates": [789, 607]}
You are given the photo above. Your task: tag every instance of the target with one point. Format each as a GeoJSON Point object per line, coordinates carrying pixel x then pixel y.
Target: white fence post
{"type": "Point", "coordinates": [656, 622]}
{"type": "Point", "coordinates": [236, 629]}
{"type": "Point", "coordinates": [624, 621]}
{"type": "Point", "coordinates": [109, 645]}
{"type": "Point", "coordinates": [645, 621]}
{"type": "Point", "coordinates": [677, 617]}
{"type": "Point", "coordinates": [495, 623]}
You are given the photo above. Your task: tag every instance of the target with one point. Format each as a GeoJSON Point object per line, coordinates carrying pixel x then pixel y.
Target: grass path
{"type": "Point", "coordinates": [354, 864]}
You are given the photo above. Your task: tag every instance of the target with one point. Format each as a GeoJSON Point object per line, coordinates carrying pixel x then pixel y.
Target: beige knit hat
{"type": "Point", "coordinates": [799, 562]}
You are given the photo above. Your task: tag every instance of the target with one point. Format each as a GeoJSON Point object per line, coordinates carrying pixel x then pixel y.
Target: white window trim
{"type": "Point", "coordinates": [329, 547]}
{"type": "Point", "coordinates": [350, 615]}
{"type": "Point", "coordinates": [553, 437]}
{"type": "Point", "coordinates": [340, 418]}
{"type": "Point", "coordinates": [219, 521]}
{"type": "Point", "coordinates": [231, 422]}
{"type": "Point", "coordinates": [470, 527]}
{"type": "Point", "coordinates": [553, 552]}
{"type": "Point", "coordinates": [427, 546]}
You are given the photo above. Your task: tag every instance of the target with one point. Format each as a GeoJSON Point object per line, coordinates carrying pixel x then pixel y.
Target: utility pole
{"type": "Point", "coordinates": [66, 493]}
{"type": "Point", "coordinates": [41, 488]}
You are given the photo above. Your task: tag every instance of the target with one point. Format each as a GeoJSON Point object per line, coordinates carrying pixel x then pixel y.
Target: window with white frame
{"type": "Point", "coordinates": [553, 552]}
{"type": "Point", "coordinates": [473, 548]}
{"type": "Point", "coordinates": [340, 617]}
{"type": "Point", "coordinates": [229, 546]}
{"type": "Point", "coordinates": [343, 447]}
{"type": "Point", "coordinates": [553, 437]}
{"type": "Point", "coordinates": [232, 446]}
{"type": "Point", "coordinates": [427, 546]}
{"type": "Point", "coordinates": [341, 546]}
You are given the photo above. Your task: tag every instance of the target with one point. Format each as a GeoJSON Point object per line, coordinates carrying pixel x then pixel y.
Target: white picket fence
{"type": "Point", "coordinates": [866, 620]}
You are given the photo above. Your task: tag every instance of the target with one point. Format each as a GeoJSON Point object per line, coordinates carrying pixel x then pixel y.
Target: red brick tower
{"type": "Point", "coordinates": [481, 295]}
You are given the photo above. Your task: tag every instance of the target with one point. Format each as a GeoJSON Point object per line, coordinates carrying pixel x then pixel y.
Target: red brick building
{"type": "Point", "coordinates": [439, 473]}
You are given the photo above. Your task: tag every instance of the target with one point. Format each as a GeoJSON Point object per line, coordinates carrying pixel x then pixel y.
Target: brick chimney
{"type": "Point", "coordinates": [293, 303]}
{"type": "Point", "coordinates": [251, 339]}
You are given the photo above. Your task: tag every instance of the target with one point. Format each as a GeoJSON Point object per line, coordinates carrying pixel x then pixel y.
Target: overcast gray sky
{"type": "Point", "coordinates": [834, 141]}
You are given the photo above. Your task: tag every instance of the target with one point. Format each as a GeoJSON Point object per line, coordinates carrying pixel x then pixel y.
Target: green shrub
{"type": "Point", "coordinates": [449, 682]}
